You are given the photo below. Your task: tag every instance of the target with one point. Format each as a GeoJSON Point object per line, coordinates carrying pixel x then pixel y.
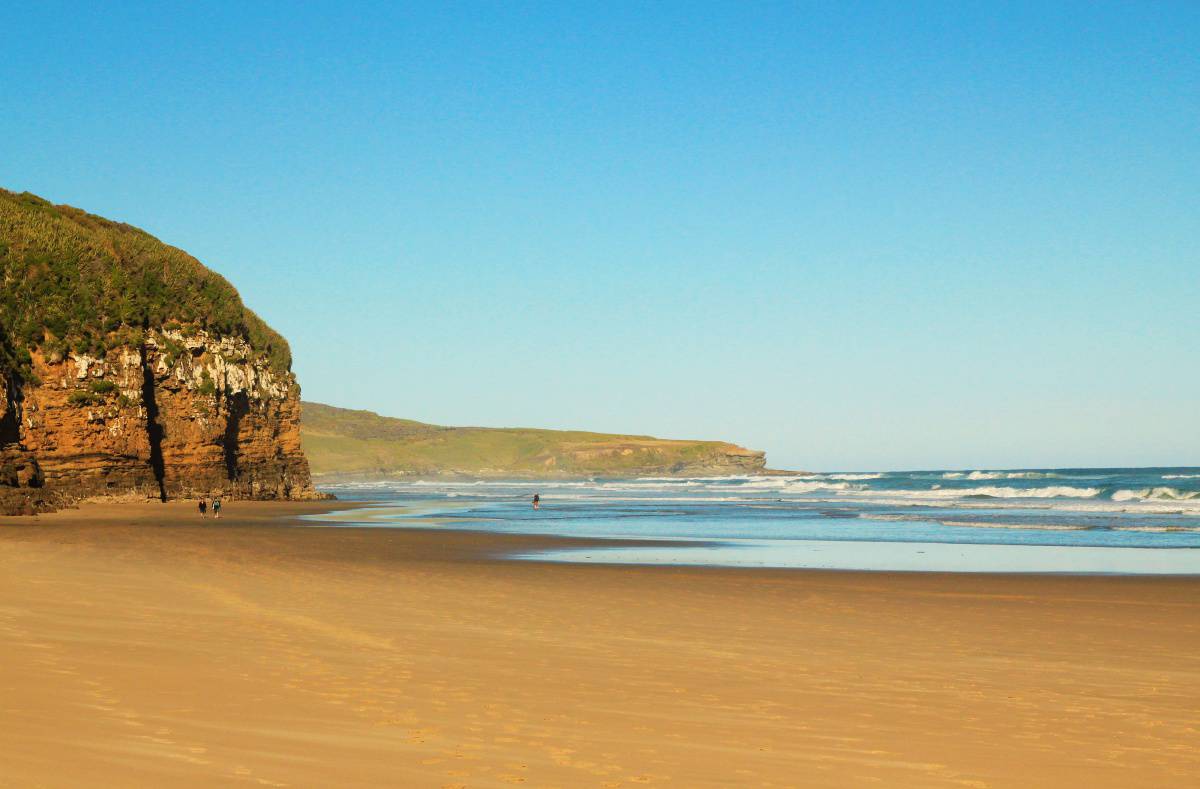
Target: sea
{"type": "Point", "coordinates": [1072, 520]}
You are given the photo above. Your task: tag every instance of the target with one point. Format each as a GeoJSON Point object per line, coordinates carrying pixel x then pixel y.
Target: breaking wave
{"type": "Point", "coordinates": [851, 477]}
{"type": "Point", "coordinates": [986, 475]}
{"type": "Point", "coordinates": [997, 492]}
{"type": "Point", "coordinates": [784, 484]}
{"type": "Point", "coordinates": [1022, 526]}
{"type": "Point", "coordinates": [1156, 494]}
{"type": "Point", "coordinates": [1157, 529]}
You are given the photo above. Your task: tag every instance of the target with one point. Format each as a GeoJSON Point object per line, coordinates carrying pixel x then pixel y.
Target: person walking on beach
{"type": "Point", "coordinates": [203, 508]}
{"type": "Point", "coordinates": [537, 502]}
{"type": "Point", "coordinates": [216, 508]}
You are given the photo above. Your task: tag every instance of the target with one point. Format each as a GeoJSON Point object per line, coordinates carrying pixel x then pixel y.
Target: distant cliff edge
{"type": "Point", "coordinates": [345, 444]}
{"type": "Point", "coordinates": [128, 369]}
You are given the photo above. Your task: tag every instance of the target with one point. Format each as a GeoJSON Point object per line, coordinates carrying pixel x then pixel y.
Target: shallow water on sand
{"type": "Point", "coordinates": [1050, 520]}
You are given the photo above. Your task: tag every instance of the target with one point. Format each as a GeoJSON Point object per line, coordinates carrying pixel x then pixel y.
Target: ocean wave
{"type": "Point", "coordinates": [1161, 494]}
{"type": "Point", "coordinates": [851, 477]}
{"type": "Point", "coordinates": [786, 484]}
{"type": "Point", "coordinates": [1097, 505]}
{"type": "Point", "coordinates": [1030, 526]}
{"type": "Point", "coordinates": [1155, 528]}
{"type": "Point", "coordinates": [1181, 476]}
{"type": "Point", "coordinates": [1190, 507]}
{"type": "Point", "coordinates": [973, 524]}
{"type": "Point", "coordinates": [805, 487]}
{"type": "Point", "coordinates": [997, 492]}
{"type": "Point", "coordinates": [647, 500]}
{"type": "Point", "coordinates": [687, 480]}
{"type": "Point", "coordinates": [689, 483]}
{"type": "Point", "coordinates": [988, 475]}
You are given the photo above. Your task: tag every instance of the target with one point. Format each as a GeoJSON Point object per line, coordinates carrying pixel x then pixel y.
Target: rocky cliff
{"type": "Point", "coordinates": [21, 481]}
{"type": "Point", "coordinates": [129, 370]}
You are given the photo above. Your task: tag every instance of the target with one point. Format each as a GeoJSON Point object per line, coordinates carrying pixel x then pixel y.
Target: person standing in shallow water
{"type": "Point", "coordinates": [537, 501]}
{"type": "Point", "coordinates": [203, 508]}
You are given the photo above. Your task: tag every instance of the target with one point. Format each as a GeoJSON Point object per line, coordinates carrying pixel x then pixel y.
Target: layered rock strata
{"type": "Point", "coordinates": [22, 485]}
{"type": "Point", "coordinates": [182, 414]}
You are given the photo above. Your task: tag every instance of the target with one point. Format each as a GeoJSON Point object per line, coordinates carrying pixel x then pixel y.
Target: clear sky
{"type": "Point", "coordinates": [855, 235]}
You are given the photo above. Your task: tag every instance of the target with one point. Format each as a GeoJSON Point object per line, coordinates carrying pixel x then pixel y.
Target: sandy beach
{"type": "Point", "coordinates": [141, 646]}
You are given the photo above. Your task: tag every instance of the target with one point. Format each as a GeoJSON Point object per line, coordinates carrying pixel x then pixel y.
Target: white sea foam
{"type": "Point", "coordinates": [850, 477]}
{"type": "Point", "coordinates": [809, 487]}
{"type": "Point", "coordinates": [988, 475]}
{"type": "Point", "coordinates": [973, 524]}
{"type": "Point", "coordinates": [811, 491]}
{"type": "Point", "coordinates": [995, 492]}
{"type": "Point", "coordinates": [365, 485]}
{"type": "Point", "coordinates": [1032, 526]}
{"type": "Point", "coordinates": [645, 487]}
{"type": "Point", "coordinates": [1181, 476]}
{"type": "Point", "coordinates": [623, 497]}
{"type": "Point", "coordinates": [784, 484]}
{"type": "Point", "coordinates": [1144, 507]}
{"type": "Point", "coordinates": [1161, 493]}
{"type": "Point", "coordinates": [1156, 528]}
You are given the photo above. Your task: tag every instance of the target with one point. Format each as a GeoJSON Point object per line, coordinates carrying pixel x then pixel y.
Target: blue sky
{"type": "Point", "coordinates": [855, 235]}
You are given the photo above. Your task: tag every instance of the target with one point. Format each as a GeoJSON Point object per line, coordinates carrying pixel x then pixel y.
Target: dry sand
{"type": "Point", "coordinates": [138, 648]}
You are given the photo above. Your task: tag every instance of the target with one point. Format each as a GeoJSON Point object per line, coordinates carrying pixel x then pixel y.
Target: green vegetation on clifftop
{"type": "Point", "coordinates": [345, 443]}
{"type": "Point", "coordinates": [74, 282]}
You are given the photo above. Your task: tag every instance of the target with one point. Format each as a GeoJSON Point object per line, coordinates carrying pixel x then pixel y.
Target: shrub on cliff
{"type": "Point", "coordinates": [74, 282]}
{"type": "Point", "coordinates": [82, 397]}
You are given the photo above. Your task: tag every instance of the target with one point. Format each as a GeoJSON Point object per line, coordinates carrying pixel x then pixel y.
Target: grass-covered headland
{"type": "Point", "coordinates": [77, 283]}
{"type": "Point", "coordinates": [342, 443]}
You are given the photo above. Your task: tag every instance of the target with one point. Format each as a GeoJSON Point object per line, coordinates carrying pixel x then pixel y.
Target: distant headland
{"type": "Point", "coordinates": [343, 444]}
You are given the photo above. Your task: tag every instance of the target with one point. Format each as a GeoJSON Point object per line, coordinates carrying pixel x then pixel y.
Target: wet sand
{"type": "Point", "coordinates": [140, 648]}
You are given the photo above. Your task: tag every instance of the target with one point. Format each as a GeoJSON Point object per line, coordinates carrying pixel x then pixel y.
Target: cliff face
{"type": "Point", "coordinates": [175, 416]}
{"type": "Point", "coordinates": [129, 370]}
{"type": "Point", "coordinates": [21, 481]}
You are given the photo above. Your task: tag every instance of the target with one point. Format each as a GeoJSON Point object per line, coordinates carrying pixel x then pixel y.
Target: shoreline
{"type": "Point", "coordinates": [750, 553]}
{"type": "Point", "coordinates": [142, 648]}
{"type": "Point", "coordinates": [521, 547]}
